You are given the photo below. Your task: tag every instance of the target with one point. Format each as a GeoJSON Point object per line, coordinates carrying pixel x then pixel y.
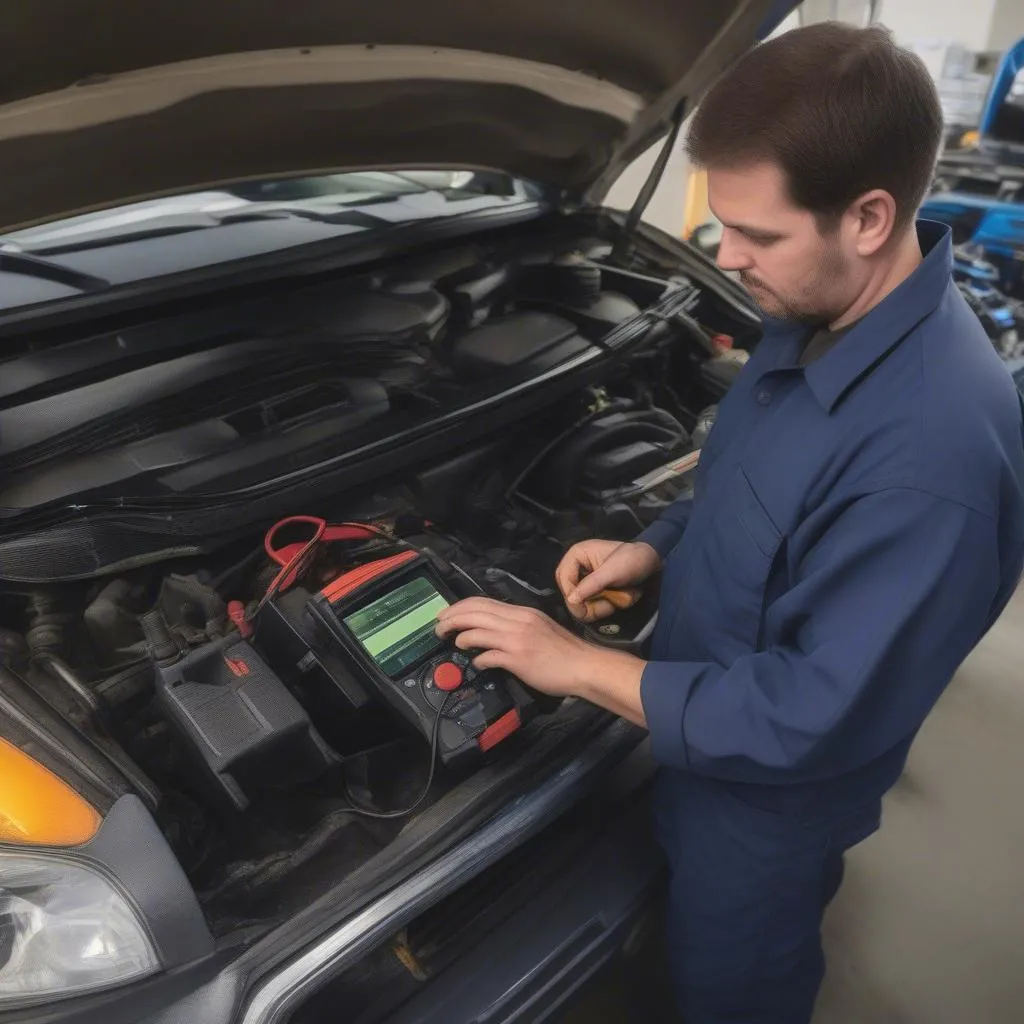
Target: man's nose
{"type": "Point", "coordinates": [732, 254]}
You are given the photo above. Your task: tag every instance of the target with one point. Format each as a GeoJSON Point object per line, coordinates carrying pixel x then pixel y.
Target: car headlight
{"type": "Point", "coordinates": [65, 930]}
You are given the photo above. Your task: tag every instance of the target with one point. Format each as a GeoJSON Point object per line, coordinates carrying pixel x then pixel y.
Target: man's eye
{"type": "Point", "coordinates": [763, 240]}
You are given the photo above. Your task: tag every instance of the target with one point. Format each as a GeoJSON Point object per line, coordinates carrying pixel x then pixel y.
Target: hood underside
{"type": "Point", "coordinates": [110, 102]}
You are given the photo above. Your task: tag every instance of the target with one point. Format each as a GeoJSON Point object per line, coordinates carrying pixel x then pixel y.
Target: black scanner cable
{"type": "Point", "coordinates": [366, 812]}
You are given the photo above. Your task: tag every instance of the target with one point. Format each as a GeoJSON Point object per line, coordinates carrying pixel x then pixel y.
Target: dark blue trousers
{"type": "Point", "coordinates": [748, 890]}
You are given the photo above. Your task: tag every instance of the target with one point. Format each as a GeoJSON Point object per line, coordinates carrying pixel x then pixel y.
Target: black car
{"type": "Point", "coordinates": [312, 322]}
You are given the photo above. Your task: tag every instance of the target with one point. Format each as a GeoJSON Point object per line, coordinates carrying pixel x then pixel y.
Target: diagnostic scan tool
{"type": "Point", "coordinates": [383, 616]}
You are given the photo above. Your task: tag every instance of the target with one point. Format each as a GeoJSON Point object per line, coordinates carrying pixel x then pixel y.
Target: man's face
{"type": "Point", "coordinates": [791, 270]}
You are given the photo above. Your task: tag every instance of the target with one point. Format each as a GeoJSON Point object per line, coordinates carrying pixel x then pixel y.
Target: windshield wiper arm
{"type": "Point", "coordinates": [47, 270]}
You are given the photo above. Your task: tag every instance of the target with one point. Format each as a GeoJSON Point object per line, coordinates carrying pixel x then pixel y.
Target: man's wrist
{"type": "Point", "coordinates": [654, 557]}
{"type": "Point", "coordinates": [611, 679]}
{"type": "Point", "coordinates": [660, 537]}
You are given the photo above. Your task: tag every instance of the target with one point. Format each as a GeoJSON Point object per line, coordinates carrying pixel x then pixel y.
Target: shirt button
{"type": "Point", "coordinates": [764, 397]}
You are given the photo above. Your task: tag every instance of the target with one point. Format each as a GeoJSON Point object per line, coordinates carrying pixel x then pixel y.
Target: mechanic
{"type": "Point", "coordinates": [857, 525]}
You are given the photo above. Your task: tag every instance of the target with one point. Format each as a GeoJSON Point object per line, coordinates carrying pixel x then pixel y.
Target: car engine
{"type": "Point", "coordinates": [264, 673]}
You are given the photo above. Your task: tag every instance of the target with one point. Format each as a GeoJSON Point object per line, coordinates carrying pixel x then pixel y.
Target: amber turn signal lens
{"type": "Point", "coordinates": [37, 808]}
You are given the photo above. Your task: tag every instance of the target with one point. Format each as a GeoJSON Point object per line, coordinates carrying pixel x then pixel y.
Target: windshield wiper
{"type": "Point", "coordinates": [47, 270]}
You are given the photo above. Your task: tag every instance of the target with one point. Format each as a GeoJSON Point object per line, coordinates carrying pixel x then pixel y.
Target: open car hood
{"type": "Point", "coordinates": [112, 101]}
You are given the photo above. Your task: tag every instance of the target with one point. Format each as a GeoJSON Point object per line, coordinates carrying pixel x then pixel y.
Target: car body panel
{"type": "Point", "coordinates": [231, 987]}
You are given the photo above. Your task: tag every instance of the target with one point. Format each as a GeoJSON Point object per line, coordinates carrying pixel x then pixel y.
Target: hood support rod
{"type": "Point", "coordinates": [636, 211]}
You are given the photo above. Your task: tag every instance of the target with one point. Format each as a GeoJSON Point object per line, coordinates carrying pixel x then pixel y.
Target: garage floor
{"type": "Point", "coordinates": [929, 925]}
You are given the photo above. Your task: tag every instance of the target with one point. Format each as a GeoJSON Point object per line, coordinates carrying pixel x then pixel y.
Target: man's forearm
{"type": "Point", "coordinates": [611, 679]}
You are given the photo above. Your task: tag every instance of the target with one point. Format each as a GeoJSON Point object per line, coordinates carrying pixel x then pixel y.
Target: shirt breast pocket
{"type": "Point", "coordinates": [742, 545]}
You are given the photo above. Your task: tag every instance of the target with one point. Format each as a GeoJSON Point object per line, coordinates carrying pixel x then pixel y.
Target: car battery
{"type": "Point", "coordinates": [238, 719]}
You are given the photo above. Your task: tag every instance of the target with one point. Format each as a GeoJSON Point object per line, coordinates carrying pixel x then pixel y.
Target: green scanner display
{"type": "Point", "coordinates": [397, 630]}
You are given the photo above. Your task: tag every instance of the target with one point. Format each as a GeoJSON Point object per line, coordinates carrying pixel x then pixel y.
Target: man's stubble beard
{"type": "Point", "coordinates": [814, 304]}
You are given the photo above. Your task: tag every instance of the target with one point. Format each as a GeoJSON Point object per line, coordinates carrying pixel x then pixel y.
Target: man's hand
{"type": "Point", "coordinates": [591, 566]}
{"type": "Point", "coordinates": [543, 655]}
{"type": "Point", "coordinates": [520, 640]}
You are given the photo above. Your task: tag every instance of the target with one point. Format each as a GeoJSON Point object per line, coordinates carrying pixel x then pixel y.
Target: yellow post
{"type": "Point", "coordinates": [696, 209]}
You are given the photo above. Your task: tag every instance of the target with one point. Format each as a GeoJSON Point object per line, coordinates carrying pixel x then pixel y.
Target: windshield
{"type": "Point", "coordinates": [149, 239]}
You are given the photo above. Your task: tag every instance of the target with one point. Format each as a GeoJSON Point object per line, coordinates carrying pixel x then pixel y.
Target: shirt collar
{"type": "Point", "coordinates": [880, 330]}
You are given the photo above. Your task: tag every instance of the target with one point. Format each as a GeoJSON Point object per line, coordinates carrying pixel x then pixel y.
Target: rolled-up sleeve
{"type": "Point", "coordinates": [888, 601]}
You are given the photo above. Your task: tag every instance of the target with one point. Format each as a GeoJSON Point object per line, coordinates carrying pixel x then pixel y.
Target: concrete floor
{"type": "Point", "coordinates": [928, 927]}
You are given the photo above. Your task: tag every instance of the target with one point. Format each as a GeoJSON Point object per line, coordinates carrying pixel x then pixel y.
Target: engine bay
{"type": "Point", "coordinates": [213, 400]}
{"type": "Point", "coordinates": [230, 690]}
{"type": "Point", "coordinates": [264, 672]}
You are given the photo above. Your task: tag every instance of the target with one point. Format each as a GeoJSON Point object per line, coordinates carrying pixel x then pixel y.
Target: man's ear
{"type": "Point", "coordinates": [872, 218]}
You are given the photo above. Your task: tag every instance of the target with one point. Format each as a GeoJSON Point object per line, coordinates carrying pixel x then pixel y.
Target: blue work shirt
{"type": "Point", "coordinates": [857, 526]}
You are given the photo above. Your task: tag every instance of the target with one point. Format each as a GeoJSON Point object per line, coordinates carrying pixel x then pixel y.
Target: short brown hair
{"type": "Point", "coordinates": [841, 110]}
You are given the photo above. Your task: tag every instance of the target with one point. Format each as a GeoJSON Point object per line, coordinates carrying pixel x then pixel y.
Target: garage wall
{"type": "Point", "coordinates": [665, 209]}
{"type": "Point", "coordinates": [955, 21]}
{"type": "Point", "coordinates": [1007, 24]}
{"type": "Point", "coordinates": [854, 12]}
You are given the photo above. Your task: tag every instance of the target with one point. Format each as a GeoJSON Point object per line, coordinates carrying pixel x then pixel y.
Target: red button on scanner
{"type": "Point", "coordinates": [447, 676]}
